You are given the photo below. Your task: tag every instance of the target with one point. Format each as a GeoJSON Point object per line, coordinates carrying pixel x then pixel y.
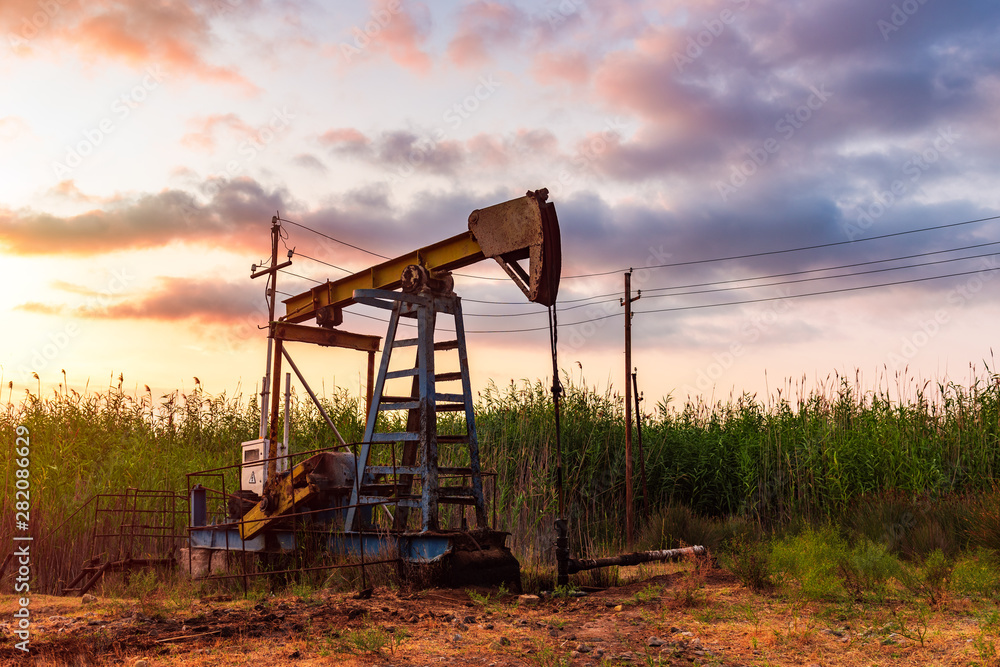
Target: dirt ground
{"type": "Point", "coordinates": [670, 615]}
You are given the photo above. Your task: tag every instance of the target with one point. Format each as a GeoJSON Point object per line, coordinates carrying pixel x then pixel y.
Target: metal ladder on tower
{"type": "Point", "coordinates": [421, 439]}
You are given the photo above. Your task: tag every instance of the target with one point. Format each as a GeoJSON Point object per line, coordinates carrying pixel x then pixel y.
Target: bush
{"type": "Point", "coordinates": [677, 525]}
{"type": "Point", "coordinates": [811, 559]}
{"type": "Point", "coordinates": [985, 521]}
{"type": "Point", "coordinates": [750, 562]}
{"type": "Point", "coordinates": [867, 569]}
{"type": "Point", "coordinates": [930, 578]}
{"type": "Point", "coordinates": [975, 575]}
{"type": "Point", "coordinates": [912, 526]}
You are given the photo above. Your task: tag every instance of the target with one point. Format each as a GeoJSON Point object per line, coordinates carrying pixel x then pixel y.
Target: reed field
{"type": "Point", "coordinates": [915, 477]}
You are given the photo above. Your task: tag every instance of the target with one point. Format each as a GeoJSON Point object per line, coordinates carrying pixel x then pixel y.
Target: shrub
{"type": "Point", "coordinates": [985, 521]}
{"type": "Point", "coordinates": [929, 578]}
{"type": "Point", "coordinates": [750, 562]}
{"type": "Point", "coordinates": [976, 575]}
{"type": "Point", "coordinates": [677, 525]}
{"type": "Point", "coordinates": [867, 569]}
{"type": "Point", "coordinates": [913, 526]}
{"type": "Point", "coordinates": [811, 559]}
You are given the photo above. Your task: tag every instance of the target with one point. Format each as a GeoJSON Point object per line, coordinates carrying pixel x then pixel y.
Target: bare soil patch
{"type": "Point", "coordinates": [666, 618]}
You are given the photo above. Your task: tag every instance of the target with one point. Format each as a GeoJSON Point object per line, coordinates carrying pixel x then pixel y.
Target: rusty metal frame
{"type": "Point", "coordinates": [131, 530]}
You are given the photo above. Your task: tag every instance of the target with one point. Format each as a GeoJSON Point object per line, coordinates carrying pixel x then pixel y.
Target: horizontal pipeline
{"type": "Point", "coordinates": [580, 564]}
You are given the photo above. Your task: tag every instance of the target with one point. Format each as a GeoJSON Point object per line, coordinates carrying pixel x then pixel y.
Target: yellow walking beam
{"type": "Point", "coordinates": [522, 228]}
{"type": "Point", "coordinates": [448, 255]}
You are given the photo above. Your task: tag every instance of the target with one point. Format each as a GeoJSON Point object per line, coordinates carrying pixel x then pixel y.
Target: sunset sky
{"type": "Point", "coordinates": [144, 147]}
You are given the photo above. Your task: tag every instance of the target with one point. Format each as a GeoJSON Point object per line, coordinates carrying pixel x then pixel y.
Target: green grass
{"type": "Point", "coordinates": [489, 601]}
{"type": "Point", "coordinates": [371, 640]}
{"type": "Point", "coordinates": [915, 476]}
{"type": "Point", "coordinates": [976, 576]}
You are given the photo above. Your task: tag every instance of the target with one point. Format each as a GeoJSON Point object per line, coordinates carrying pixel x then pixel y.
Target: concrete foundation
{"type": "Point", "coordinates": [202, 562]}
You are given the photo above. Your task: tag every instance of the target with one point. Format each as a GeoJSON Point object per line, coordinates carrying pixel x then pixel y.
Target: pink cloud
{"type": "Point", "coordinates": [392, 29]}
{"type": "Point", "coordinates": [343, 135]}
{"type": "Point", "coordinates": [174, 36]}
{"type": "Point", "coordinates": [12, 127]}
{"type": "Point", "coordinates": [403, 38]}
{"type": "Point", "coordinates": [209, 301]}
{"type": "Point", "coordinates": [68, 190]}
{"type": "Point", "coordinates": [482, 27]}
{"type": "Point", "coordinates": [569, 66]}
{"type": "Point", "coordinates": [488, 150]}
{"type": "Point", "coordinates": [205, 128]}
{"type": "Point", "coordinates": [643, 80]}
{"type": "Point", "coordinates": [347, 141]}
{"type": "Point", "coordinates": [171, 299]}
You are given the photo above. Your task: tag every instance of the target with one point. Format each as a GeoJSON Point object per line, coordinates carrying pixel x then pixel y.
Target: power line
{"type": "Point", "coordinates": [843, 275]}
{"type": "Point", "coordinates": [498, 278]}
{"type": "Point", "coordinates": [327, 236]}
{"type": "Point", "coordinates": [545, 328]}
{"type": "Point", "coordinates": [799, 296]}
{"type": "Point", "coordinates": [724, 289]}
{"type": "Point", "coordinates": [670, 264]}
{"type": "Point", "coordinates": [365, 250]}
{"type": "Point", "coordinates": [521, 303]}
{"type": "Point", "coordinates": [320, 261]}
{"type": "Point", "coordinates": [318, 282]}
{"type": "Point", "coordinates": [485, 331]}
{"type": "Point", "coordinates": [539, 312]}
{"type": "Point", "coordinates": [702, 306]}
{"type": "Point", "coordinates": [788, 250]}
{"type": "Point", "coordinates": [828, 268]}
{"type": "Point", "coordinates": [593, 300]}
{"type": "Point", "coordinates": [779, 275]}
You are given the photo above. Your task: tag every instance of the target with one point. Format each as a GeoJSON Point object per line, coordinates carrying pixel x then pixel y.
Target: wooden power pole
{"type": "Point", "coordinates": [273, 347]}
{"type": "Point", "coordinates": [627, 302]}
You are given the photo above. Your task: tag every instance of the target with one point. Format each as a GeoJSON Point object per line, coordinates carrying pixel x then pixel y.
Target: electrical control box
{"type": "Point", "coordinates": [253, 473]}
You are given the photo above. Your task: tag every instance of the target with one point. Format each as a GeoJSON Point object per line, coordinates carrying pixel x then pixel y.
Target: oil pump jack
{"type": "Point", "coordinates": [385, 497]}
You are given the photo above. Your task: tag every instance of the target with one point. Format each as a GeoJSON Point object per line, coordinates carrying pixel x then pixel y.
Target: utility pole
{"type": "Point", "coordinates": [627, 302]}
{"type": "Point", "coordinates": [272, 272]}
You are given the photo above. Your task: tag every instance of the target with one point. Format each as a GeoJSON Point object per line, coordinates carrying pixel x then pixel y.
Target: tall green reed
{"type": "Point", "coordinates": [807, 457]}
